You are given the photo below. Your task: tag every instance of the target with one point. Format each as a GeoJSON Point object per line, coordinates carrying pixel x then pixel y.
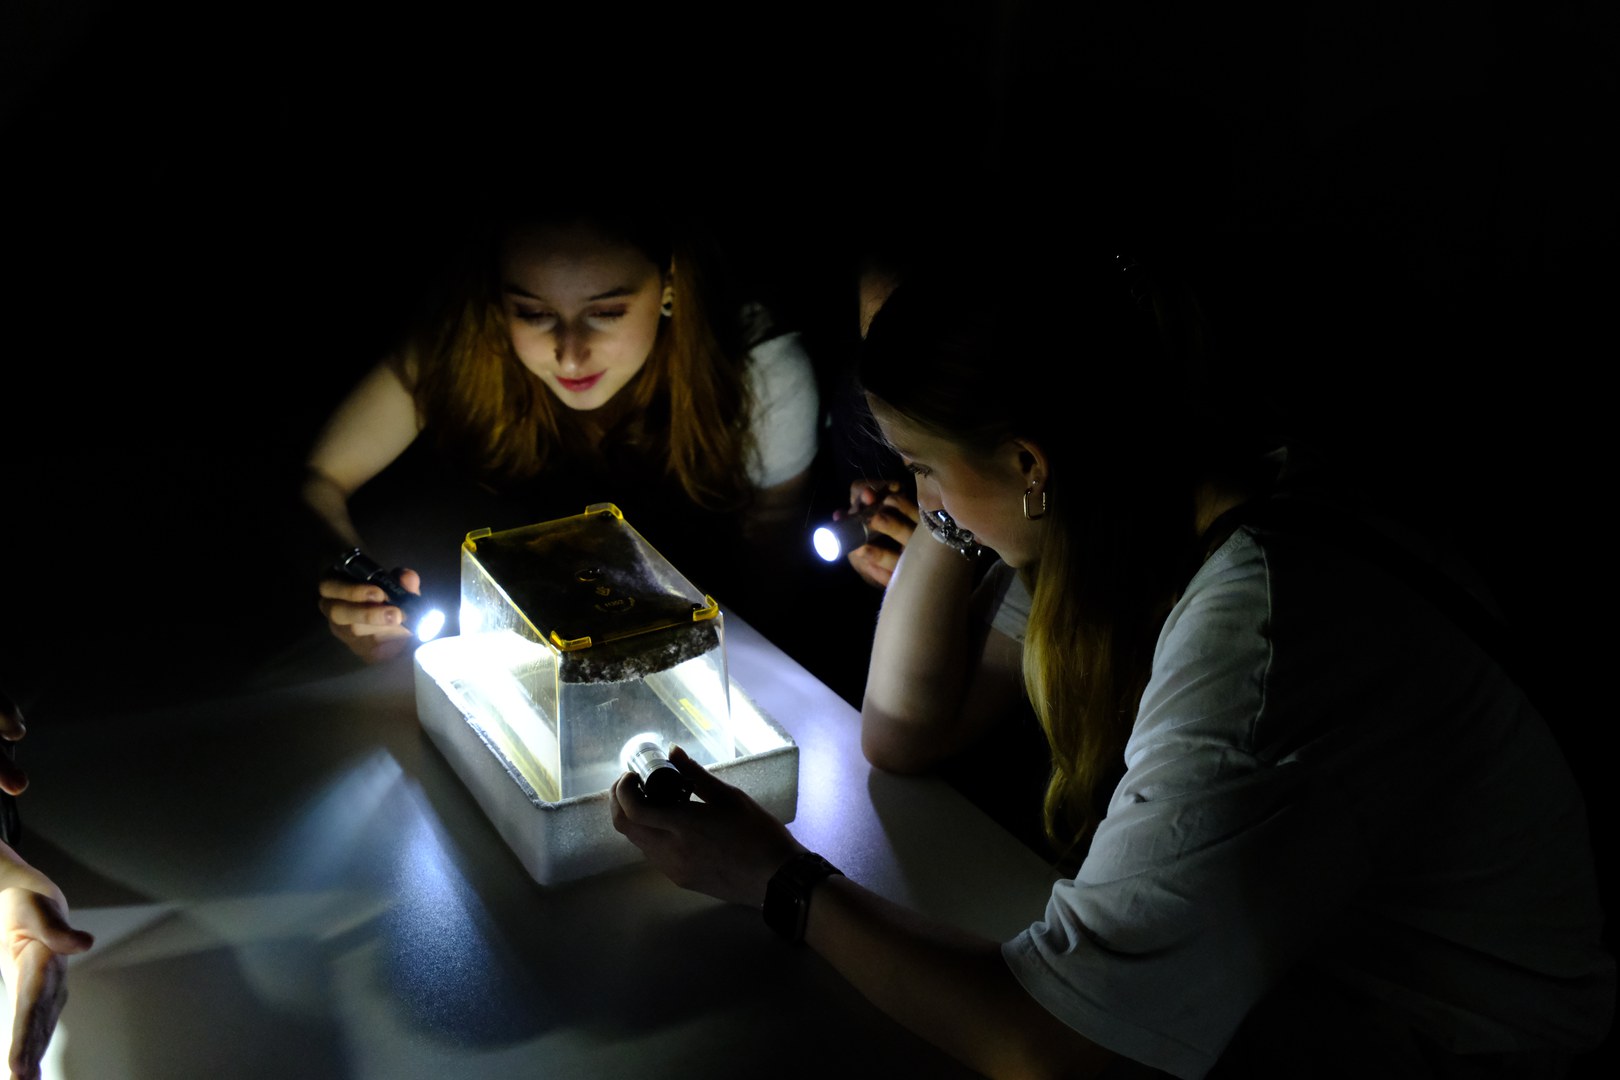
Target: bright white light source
{"type": "Point", "coordinates": [430, 625]}
{"type": "Point", "coordinates": [832, 540]}
{"type": "Point", "coordinates": [827, 545]}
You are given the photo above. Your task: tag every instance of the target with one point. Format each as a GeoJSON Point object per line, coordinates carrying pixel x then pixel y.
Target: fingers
{"type": "Point", "coordinates": [892, 526]}
{"type": "Point", "coordinates": [13, 780]}
{"type": "Point", "coordinates": [864, 493]}
{"type": "Point", "coordinates": [874, 564]}
{"type": "Point", "coordinates": [894, 522]}
{"type": "Point", "coordinates": [357, 615]}
{"type": "Point", "coordinates": [705, 785]}
{"type": "Point", "coordinates": [636, 810]}
{"type": "Point", "coordinates": [11, 719]}
{"type": "Point", "coordinates": [355, 592]}
{"type": "Point", "coordinates": [624, 800]}
{"type": "Point", "coordinates": [726, 845]}
{"type": "Point", "coordinates": [410, 579]}
{"type": "Point", "coordinates": [362, 620]}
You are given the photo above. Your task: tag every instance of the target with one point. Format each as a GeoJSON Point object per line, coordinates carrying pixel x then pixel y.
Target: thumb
{"type": "Point", "coordinates": [705, 785]}
{"type": "Point", "coordinates": [410, 579]}
{"type": "Point", "coordinates": [51, 927]}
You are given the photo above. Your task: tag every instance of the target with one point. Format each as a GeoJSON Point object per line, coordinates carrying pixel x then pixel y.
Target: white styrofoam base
{"type": "Point", "coordinates": [574, 837]}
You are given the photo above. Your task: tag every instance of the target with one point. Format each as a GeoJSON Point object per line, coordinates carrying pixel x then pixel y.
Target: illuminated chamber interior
{"type": "Point", "coordinates": [576, 637]}
{"type": "Point", "coordinates": [565, 738]}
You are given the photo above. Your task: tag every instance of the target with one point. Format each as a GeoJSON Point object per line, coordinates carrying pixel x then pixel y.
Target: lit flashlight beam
{"type": "Point", "coordinates": [836, 537]}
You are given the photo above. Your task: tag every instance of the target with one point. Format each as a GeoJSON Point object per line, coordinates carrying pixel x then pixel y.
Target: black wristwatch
{"type": "Point", "coordinates": [787, 897]}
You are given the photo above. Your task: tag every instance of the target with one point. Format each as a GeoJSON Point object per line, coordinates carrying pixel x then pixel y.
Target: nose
{"type": "Point", "coordinates": [572, 351]}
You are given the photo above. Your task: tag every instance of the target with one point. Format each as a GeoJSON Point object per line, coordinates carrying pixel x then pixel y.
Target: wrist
{"type": "Point", "coordinates": [947, 532]}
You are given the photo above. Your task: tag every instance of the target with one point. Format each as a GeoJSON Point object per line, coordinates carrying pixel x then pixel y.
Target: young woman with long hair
{"type": "Point", "coordinates": [1311, 825]}
{"type": "Point", "coordinates": [582, 353]}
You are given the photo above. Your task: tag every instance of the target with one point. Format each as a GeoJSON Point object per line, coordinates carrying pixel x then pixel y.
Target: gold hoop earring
{"type": "Point", "coordinates": [666, 307]}
{"type": "Point", "coordinates": [1039, 514]}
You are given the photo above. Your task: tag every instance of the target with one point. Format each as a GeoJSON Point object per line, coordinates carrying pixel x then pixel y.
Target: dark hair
{"type": "Point", "coordinates": [1098, 359]}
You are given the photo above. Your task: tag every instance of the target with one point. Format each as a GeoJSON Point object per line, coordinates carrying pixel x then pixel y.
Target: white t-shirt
{"type": "Point", "coordinates": [787, 405]}
{"type": "Point", "coordinates": [1327, 782]}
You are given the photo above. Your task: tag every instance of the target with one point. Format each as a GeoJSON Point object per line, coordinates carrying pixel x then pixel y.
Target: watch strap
{"type": "Point", "coordinates": [787, 895]}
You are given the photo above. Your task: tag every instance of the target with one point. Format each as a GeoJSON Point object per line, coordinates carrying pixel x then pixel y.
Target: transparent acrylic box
{"type": "Point", "coordinates": [576, 638]}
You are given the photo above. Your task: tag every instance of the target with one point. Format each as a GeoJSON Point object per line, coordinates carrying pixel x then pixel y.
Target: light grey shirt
{"type": "Point", "coordinates": [1328, 783]}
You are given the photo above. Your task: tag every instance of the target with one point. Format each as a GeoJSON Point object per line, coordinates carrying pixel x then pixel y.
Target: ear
{"type": "Point", "coordinates": [1034, 464]}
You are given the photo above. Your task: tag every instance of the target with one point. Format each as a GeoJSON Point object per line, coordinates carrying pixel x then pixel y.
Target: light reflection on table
{"type": "Point", "coordinates": [291, 881]}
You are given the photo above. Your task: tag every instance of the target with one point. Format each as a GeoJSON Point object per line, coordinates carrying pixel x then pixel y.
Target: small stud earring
{"type": "Point", "coordinates": [1041, 512]}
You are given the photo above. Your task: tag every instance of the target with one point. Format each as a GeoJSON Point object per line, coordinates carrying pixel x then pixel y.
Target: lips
{"type": "Point", "coordinates": [579, 386]}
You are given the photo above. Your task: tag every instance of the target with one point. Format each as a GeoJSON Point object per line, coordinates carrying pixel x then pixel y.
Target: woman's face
{"type": "Point", "coordinates": [984, 495]}
{"type": "Point", "coordinates": [583, 309]}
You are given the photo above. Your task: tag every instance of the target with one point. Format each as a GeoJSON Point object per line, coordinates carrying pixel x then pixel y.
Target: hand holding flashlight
{"type": "Point", "coordinates": [657, 780]}
{"type": "Point", "coordinates": [872, 532]}
{"type": "Point", "coordinates": [377, 613]}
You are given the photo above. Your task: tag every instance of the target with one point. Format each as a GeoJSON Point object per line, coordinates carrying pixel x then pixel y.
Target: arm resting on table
{"type": "Point", "coordinates": [939, 676]}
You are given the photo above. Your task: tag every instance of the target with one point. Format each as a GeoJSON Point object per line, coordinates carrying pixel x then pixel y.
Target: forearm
{"type": "Point", "coordinates": [949, 987]}
{"type": "Point", "coordinates": [369, 430]}
{"type": "Point", "coordinates": [328, 506]}
{"type": "Point", "coordinates": [922, 658]}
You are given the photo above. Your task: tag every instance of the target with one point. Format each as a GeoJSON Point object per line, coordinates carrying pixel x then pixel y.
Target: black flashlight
{"type": "Point", "coordinates": [836, 537]}
{"type": "Point", "coordinates": [657, 777]}
{"type": "Point", "coordinates": [421, 619]}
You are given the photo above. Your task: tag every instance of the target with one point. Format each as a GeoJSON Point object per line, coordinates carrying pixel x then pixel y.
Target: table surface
{"type": "Point", "coordinates": [288, 880]}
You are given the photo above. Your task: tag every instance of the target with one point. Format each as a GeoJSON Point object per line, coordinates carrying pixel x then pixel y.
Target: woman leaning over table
{"type": "Point", "coordinates": [1314, 827]}
{"type": "Point", "coordinates": [587, 350]}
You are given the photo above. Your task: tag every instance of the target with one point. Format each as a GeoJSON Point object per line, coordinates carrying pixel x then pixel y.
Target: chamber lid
{"type": "Point", "coordinates": [586, 580]}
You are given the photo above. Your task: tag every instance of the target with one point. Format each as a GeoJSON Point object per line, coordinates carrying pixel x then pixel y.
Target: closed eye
{"type": "Point", "coordinates": [534, 318]}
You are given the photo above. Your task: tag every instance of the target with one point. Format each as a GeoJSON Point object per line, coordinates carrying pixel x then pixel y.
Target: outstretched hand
{"type": "Point", "coordinates": [37, 940]}
{"type": "Point", "coordinates": [725, 845]}
{"type": "Point", "coordinates": [360, 616]}
{"type": "Point", "coordinates": [894, 518]}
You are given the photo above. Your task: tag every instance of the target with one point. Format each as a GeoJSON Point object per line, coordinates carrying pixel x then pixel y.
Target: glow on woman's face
{"type": "Point", "coordinates": [583, 310]}
{"type": "Point", "coordinates": [982, 494]}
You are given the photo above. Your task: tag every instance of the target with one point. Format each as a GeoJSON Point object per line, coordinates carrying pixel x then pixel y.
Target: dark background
{"type": "Point", "coordinates": [216, 217]}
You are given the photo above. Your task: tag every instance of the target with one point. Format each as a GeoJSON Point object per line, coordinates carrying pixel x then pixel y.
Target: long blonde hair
{"type": "Point", "coordinates": [689, 409]}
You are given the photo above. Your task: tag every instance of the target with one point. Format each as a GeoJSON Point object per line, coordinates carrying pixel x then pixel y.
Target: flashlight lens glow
{"type": "Point", "coordinates": [826, 544]}
{"type": "Point", "coordinates": [431, 624]}
{"type": "Point", "coordinates": [833, 539]}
